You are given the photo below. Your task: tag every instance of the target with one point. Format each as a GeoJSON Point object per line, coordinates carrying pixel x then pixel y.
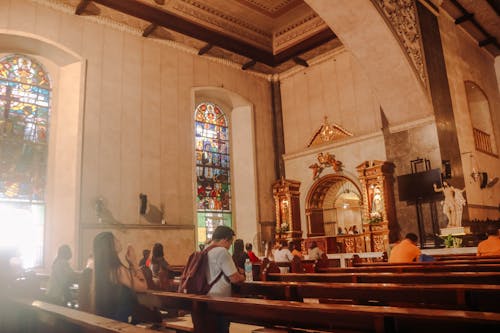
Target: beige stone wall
{"type": "Point", "coordinates": [137, 120]}
{"type": "Point", "coordinates": [337, 88]}
{"type": "Point", "coordinates": [466, 61]}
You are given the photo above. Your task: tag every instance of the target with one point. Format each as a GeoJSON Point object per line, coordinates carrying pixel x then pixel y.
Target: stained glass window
{"type": "Point", "coordinates": [24, 129]}
{"type": "Point", "coordinates": [212, 169]}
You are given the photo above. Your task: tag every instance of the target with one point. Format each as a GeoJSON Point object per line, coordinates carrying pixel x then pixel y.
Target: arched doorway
{"type": "Point", "coordinates": [333, 204]}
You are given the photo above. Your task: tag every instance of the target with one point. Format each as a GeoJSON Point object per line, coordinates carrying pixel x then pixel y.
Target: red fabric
{"type": "Point", "coordinates": [253, 258]}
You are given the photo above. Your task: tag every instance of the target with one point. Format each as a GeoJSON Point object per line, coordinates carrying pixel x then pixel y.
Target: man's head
{"type": "Point", "coordinates": [412, 237]}
{"type": "Point", "coordinates": [223, 235]}
{"type": "Point", "coordinates": [492, 230]}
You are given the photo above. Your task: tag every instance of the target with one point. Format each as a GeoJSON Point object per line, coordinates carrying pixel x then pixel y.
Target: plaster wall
{"type": "Point", "coordinates": [138, 133]}
{"type": "Point", "coordinates": [466, 61]}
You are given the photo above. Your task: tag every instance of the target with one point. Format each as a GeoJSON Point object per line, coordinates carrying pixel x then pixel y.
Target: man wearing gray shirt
{"type": "Point", "coordinates": [220, 260]}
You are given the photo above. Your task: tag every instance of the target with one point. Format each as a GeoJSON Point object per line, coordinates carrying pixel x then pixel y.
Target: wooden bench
{"type": "Point", "coordinates": [414, 267]}
{"type": "Point", "coordinates": [479, 261]}
{"type": "Point", "coordinates": [445, 296]}
{"type": "Point", "coordinates": [381, 277]}
{"type": "Point", "coordinates": [326, 317]}
{"type": "Point", "coordinates": [28, 315]}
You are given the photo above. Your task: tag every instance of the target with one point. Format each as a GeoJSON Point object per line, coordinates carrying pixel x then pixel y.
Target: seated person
{"type": "Point", "coordinates": [293, 249]}
{"type": "Point", "coordinates": [114, 284]}
{"type": "Point", "coordinates": [406, 250]}
{"type": "Point", "coordinates": [253, 258]}
{"type": "Point", "coordinates": [491, 245]}
{"type": "Point", "coordinates": [239, 254]}
{"type": "Point", "coordinates": [283, 254]}
{"type": "Point", "coordinates": [145, 261]}
{"type": "Point", "coordinates": [158, 261]}
{"type": "Point", "coordinates": [314, 251]}
{"type": "Point", "coordinates": [61, 278]}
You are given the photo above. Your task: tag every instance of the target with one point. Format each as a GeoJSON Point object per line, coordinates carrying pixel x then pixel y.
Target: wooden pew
{"type": "Point", "coordinates": [478, 261]}
{"type": "Point", "coordinates": [381, 277]}
{"type": "Point", "coordinates": [326, 317]}
{"type": "Point", "coordinates": [28, 315]}
{"type": "Point", "coordinates": [414, 267]}
{"type": "Point", "coordinates": [444, 296]}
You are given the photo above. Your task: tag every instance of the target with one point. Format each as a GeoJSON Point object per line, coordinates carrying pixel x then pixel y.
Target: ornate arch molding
{"type": "Point", "coordinates": [315, 198]}
{"type": "Point", "coordinates": [402, 18]}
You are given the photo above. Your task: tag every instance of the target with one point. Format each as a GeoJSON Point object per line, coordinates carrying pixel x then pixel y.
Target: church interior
{"type": "Point", "coordinates": [344, 123]}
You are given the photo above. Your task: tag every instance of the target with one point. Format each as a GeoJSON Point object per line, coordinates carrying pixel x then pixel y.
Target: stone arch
{"type": "Point", "coordinates": [364, 33]}
{"type": "Point", "coordinates": [315, 199]}
{"type": "Point", "coordinates": [243, 158]}
{"type": "Point", "coordinates": [480, 115]}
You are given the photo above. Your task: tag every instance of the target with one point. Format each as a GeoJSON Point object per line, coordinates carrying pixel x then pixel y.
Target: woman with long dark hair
{"type": "Point", "coordinates": [114, 283]}
{"type": "Point", "coordinates": [239, 254]}
{"type": "Point", "coordinates": [158, 261]}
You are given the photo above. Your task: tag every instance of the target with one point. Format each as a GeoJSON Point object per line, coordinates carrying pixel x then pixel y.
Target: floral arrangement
{"type": "Point", "coordinates": [375, 217]}
{"type": "Point", "coordinates": [283, 228]}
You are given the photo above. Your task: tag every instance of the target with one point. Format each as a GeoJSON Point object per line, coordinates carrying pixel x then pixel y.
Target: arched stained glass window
{"type": "Point", "coordinates": [24, 129]}
{"type": "Point", "coordinates": [212, 169]}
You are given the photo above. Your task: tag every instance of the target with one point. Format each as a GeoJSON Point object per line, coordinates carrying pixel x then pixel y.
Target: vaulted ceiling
{"type": "Point", "coordinates": [267, 36]}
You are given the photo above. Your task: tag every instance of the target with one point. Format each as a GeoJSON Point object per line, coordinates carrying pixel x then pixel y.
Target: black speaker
{"type": "Point", "coordinates": [144, 203]}
{"type": "Point", "coordinates": [447, 169]}
{"type": "Point", "coordinates": [484, 179]}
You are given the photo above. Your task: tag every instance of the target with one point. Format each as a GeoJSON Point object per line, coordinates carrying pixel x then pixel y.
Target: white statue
{"type": "Point", "coordinates": [448, 203]}
{"type": "Point", "coordinates": [453, 204]}
{"type": "Point", "coordinates": [459, 205]}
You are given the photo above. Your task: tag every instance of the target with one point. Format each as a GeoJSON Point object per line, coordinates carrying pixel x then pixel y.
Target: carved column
{"type": "Point", "coordinates": [287, 207]}
{"type": "Point", "coordinates": [379, 213]}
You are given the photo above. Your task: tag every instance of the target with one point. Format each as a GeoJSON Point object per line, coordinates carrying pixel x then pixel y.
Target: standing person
{"type": "Point", "coordinates": [314, 251]}
{"type": "Point", "coordinates": [253, 258]}
{"type": "Point", "coordinates": [61, 278]}
{"type": "Point", "coordinates": [491, 245]}
{"type": "Point", "coordinates": [406, 250]}
{"type": "Point", "coordinates": [221, 264]}
{"type": "Point", "coordinates": [114, 283]}
{"type": "Point", "coordinates": [239, 254]}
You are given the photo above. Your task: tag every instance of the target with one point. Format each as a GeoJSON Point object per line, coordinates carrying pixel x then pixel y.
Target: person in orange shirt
{"type": "Point", "coordinates": [406, 250]}
{"type": "Point", "coordinates": [490, 246]}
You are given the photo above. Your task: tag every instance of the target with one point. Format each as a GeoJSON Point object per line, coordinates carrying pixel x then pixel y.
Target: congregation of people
{"type": "Point", "coordinates": [114, 284]}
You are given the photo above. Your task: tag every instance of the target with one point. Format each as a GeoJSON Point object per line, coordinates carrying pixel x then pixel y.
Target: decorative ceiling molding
{"type": "Point", "coordinates": [297, 31]}
{"type": "Point", "coordinates": [222, 22]}
{"type": "Point", "coordinates": [270, 8]}
{"type": "Point", "coordinates": [401, 16]}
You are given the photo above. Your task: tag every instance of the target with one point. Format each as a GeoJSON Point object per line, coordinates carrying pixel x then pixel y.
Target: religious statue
{"type": "Point", "coordinates": [459, 205]}
{"type": "Point", "coordinates": [376, 200]}
{"type": "Point", "coordinates": [324, 161]}
{"type": "Point", "coordinates": [453, 204]}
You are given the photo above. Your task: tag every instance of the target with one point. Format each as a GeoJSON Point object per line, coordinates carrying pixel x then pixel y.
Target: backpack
{"type": "Point", "coordinates": [194, 275]}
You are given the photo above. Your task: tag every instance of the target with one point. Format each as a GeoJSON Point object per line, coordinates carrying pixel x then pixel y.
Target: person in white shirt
{"type": "Point", "coordinates": [283, 254]}
{"type": "Point", "coordinates": [314, 251]}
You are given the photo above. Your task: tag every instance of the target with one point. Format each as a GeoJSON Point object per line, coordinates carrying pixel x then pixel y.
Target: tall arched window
{"type": "Point", "coordinates": [212, 170]}
{"type": "Point", "coordinates": [24, 129]}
